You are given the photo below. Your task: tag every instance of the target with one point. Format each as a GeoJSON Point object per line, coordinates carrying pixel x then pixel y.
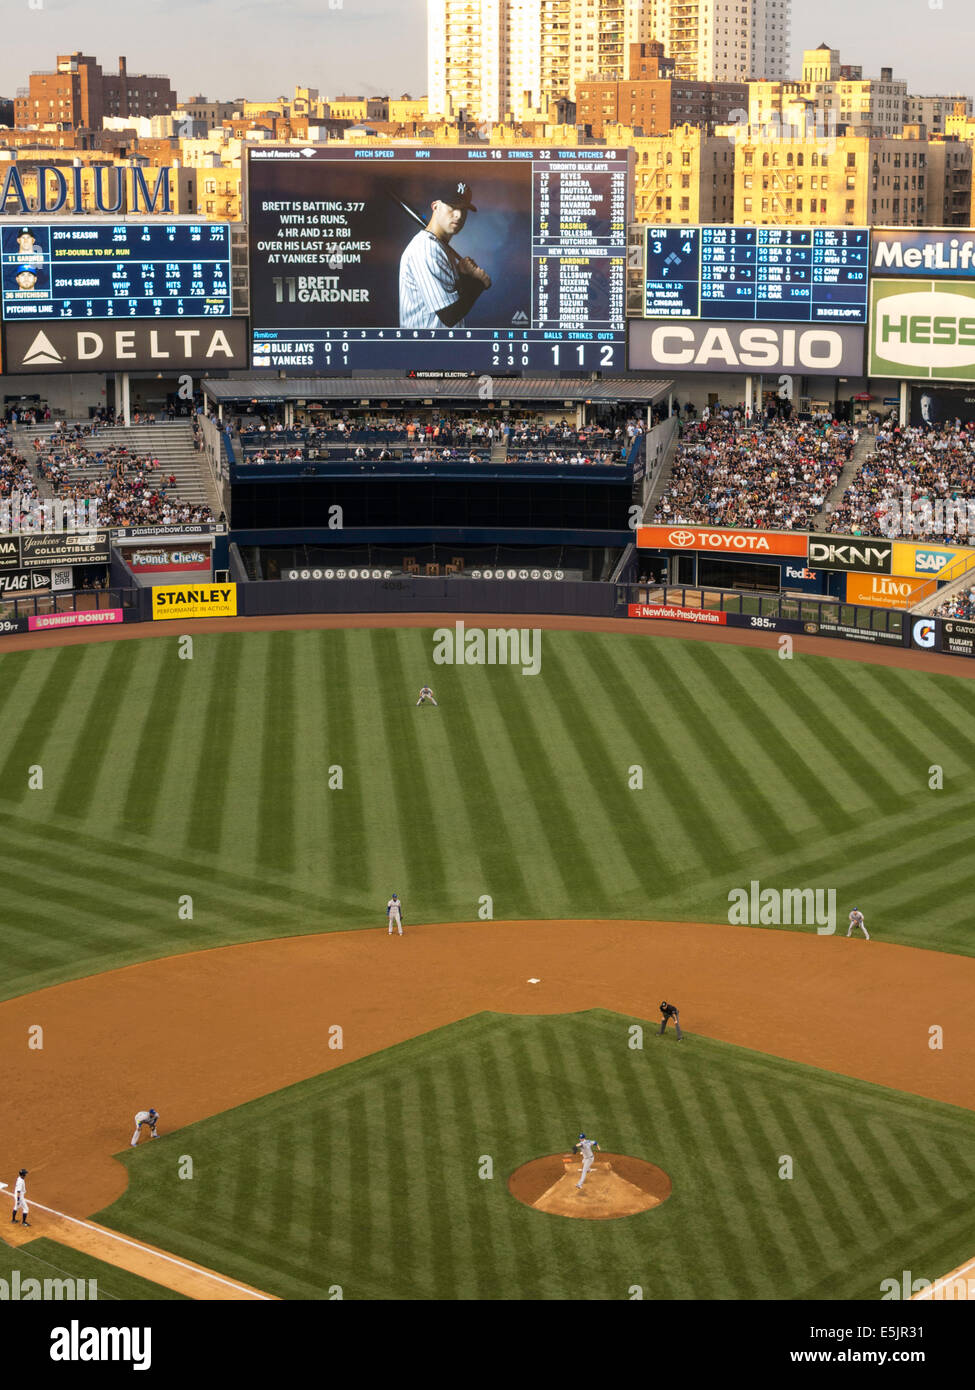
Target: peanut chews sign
{"type": "Point", "coordinates": [197, 601]}
{"type": "Point", "coordinates": [109, 346]}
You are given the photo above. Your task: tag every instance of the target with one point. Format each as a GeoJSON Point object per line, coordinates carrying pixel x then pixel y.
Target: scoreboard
{"type": "Point", "coordinates": [346, 272]}
{"type": "Point", "coordinates": [794, 274]}
{"type": "Point", "coordinates": [62, 269]}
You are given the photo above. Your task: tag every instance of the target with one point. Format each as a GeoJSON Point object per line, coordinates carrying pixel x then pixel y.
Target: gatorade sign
{"type": "Point", "coordinates": [196, 601]}
{"type": "Point", "coordinates": [923, 329]}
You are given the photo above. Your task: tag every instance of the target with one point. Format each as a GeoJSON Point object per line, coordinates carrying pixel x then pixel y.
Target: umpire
{"type": "Point", "coordinates": [670, 1011]}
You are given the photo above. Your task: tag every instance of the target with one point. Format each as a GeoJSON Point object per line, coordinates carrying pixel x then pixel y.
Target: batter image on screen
{"type": "Point", "coordinates": [437, 286]}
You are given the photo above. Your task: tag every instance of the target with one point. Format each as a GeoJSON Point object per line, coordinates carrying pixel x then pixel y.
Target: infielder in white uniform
{"type": "Point", "coordinates": [437, 287]}
{"type": "Point", "coordinates": [426, 694]}
{"type": "Point", "coordinates": [20, 1198]}
{"type": "Point", "coordinates": [393, 914]}
{"type": "Point", "coordinates": [585, 1147]}
{"type": "Point", "coordinates": [856, 920]}
{"type": "Point", "coordinates": [145, 1117]}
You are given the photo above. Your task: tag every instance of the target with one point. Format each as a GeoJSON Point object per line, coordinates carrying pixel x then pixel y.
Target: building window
{"type": "Point", "coordinates": [747, 205]}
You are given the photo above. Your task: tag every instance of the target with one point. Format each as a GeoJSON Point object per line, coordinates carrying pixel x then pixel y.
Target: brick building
{"type": "Point", "coordinates": [78, 94]}
{"type": "Point", "coordinates": [652, 100]}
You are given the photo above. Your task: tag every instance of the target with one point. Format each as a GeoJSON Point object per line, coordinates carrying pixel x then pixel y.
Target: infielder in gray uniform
{"type": "Point", "coordinates": [437, 287]}
{"type": "Point", "coordinates": [585, 1147]}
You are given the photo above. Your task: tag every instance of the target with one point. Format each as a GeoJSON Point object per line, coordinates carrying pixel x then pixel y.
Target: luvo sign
{"type": "Point", "coordinates": [922, 329]}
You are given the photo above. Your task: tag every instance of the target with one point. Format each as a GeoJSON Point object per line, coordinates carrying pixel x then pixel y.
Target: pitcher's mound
{"type": "Point", "coordinates": [615, 1185]}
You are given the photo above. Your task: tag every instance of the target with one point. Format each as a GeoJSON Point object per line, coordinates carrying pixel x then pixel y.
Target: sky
{"type": "Point", "coordinates": [262, 48]}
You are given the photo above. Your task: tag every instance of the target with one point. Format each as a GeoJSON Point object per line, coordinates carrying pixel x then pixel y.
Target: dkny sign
{"type": "Point", "coordinates": [112, 345]}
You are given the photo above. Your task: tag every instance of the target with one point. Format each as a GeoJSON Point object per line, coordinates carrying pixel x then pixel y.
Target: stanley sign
{"type": "Point", "coordinates": [112, 345]}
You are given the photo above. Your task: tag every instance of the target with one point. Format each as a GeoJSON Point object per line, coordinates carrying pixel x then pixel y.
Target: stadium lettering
{"type": "Point", "coordinates": [130, 190]}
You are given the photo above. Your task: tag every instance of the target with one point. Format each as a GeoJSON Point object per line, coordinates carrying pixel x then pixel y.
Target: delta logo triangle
{"type": "Point", "coordinates": [41, 352]}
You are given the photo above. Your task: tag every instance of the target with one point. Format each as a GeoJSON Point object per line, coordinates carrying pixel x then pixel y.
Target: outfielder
{"type": "Point", "coordinates": [856, 920]}
{"type": "Point", "coordinates": [426, 694]}
{"type": "Point", "coordinates": [393, 908]}
{"type": "Point", "coordinates": [145, 1117]}
{"type": "Point", "coordinates": [585, 1147]}
{"type": "Point", "coordinates": [436, 286]}
{"type": "Point", "coordinates": [20, 1198]}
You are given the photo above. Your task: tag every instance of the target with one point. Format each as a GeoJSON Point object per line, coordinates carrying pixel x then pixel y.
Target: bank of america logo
{"type": "Point", "coordinates": [519, 317]}
{"type": "Point", "coordinates": [41, 352]}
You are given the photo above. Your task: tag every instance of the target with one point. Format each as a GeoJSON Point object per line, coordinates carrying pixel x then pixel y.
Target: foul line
{"type": "Point", "coordinates": [945, 1279]}
{"type": "Point", "coordinates": [150, 1250]}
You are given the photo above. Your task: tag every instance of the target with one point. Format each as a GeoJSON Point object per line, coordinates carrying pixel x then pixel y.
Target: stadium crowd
{"type": "Point", "coordinates": [15, 474]}
{"type": "Point", "coordinates": [776, 473]}
{"type": "Point", "coordinates": [450, 439]}
{"type": "Point", "coordinates": [960, 605]}
{"type": "Point", "coordinates": [921, 481]}
{"type": "Point", "coordinates": [130, 488]}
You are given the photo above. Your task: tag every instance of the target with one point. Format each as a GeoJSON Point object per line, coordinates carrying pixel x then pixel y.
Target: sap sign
{"type": "Point", "coordinates": [737, 347]}
{"type": "Point", "coordinates": [923, 330]}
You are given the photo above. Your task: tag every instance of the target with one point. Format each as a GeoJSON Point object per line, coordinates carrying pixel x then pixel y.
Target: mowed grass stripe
{"type": "Point", "coordinates": [481, 770]}
{"type": "Point", "coordinates": [934, 716]}
{"type": "Point", "coordinates": [161, 717]}
{"type": "Point", "coordinates": [778, 744]}
{"type": "Point", "coordinates": [772, 828]}
{"type": "Point", "coordinates": [96, 734]}
{"type": "Point", "coordinates": [345, 722]}
{"type": "Point", "coordinates": [600, 774]}
{"type": "Point", "coordinates": [207, 820]}
{"type": "Point", "coordinates": [869, 702]}
{"type": "Point", "coordinates": [37, 728]}
{"type": "Point", "coordinates": [615, 665]}
{"type": "Point", "coordinates": [277, 757]}
{"type": "Point", "coordinates": [421, 823]}
{"type": "Point", "coordinates": [531, 709]}
{"type": "Point", "coordinates": [691, 749]}
{"type": "Point", "coordinates": [828, 702]}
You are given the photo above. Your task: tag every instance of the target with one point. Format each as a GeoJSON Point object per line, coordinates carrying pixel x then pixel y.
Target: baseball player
{"type": "Point", "coordinates": [856, 920]}
{"type": "Point", "coordinates": [426, 694]}
{"type": "Point", "coordinates": [26, 241]}
{"type": "Point", "coordinates": [585, 1147]}
{"type": "Point", "coordinates": [436, 286]}
{"type": "Point", "coordinates": [669, 1011]}
{"type": "Point", "coordinates": [394, 914]}
{"type": "Point", "coordinates": [145, 1117]}
{"type": "Point", "coordinates": [26, 277]}
{"type": "Point", "coordinates": [20, 1198]}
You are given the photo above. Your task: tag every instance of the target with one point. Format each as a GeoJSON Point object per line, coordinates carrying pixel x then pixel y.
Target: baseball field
{"type": "Point", "coordinates": [198, 850]}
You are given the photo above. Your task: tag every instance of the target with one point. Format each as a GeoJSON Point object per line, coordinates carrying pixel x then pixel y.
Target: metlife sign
{"type": "Point", "coordinates": [929, 254]}
{"type": "Point", "coordinates": [806, 350]}
{"type": "Point", "coordinates": [922, 330]}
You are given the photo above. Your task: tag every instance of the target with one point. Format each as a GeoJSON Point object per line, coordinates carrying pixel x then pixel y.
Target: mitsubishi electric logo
{"type": "Point", "coordinates": [42, 352]}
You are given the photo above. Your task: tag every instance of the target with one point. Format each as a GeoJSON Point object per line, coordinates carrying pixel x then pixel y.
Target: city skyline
{"type": "Point", "coordinates": [378, 47]}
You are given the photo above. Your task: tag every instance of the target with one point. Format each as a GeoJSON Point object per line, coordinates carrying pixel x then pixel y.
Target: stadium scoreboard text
{"type": "Point", "coordinates": [329, 232]}
{"type": "Point", "coordinates": [103, 270]}
{"type": "Point", "coordinates": [795, 274]}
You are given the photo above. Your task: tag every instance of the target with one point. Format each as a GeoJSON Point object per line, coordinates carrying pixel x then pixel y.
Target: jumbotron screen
{"type": "Point", "coordinates": [406, 259]}
{"type": "Point", "coordinates": [785, 274]}
{"type": "Point", "coordinates": [62, 269]}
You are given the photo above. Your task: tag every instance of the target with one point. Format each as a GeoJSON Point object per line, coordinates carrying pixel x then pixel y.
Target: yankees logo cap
{"type": "Point", "coordinates": [455, 193]}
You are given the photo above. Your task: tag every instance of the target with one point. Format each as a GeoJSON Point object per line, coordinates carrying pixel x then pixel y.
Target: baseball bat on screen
{"type": "Point", "coordinates": [454, 256]}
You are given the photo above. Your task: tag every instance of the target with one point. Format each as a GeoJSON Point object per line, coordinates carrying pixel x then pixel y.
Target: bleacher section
{"type": "Point", "coordinates": [171, 443]}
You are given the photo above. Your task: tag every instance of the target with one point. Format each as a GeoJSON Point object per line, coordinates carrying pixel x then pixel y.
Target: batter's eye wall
{"type": "Point", "coordinates": [433, 502]}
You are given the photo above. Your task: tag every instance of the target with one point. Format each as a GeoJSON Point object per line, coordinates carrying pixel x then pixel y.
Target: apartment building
{"type": "Point", "coordinates": [685, 176]}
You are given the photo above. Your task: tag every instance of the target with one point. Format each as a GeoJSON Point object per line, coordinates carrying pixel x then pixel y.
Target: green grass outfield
{"type": "Point", "coordinates": [210, 778]}
{"type": "Point", "coordinates": [366, 1178]}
